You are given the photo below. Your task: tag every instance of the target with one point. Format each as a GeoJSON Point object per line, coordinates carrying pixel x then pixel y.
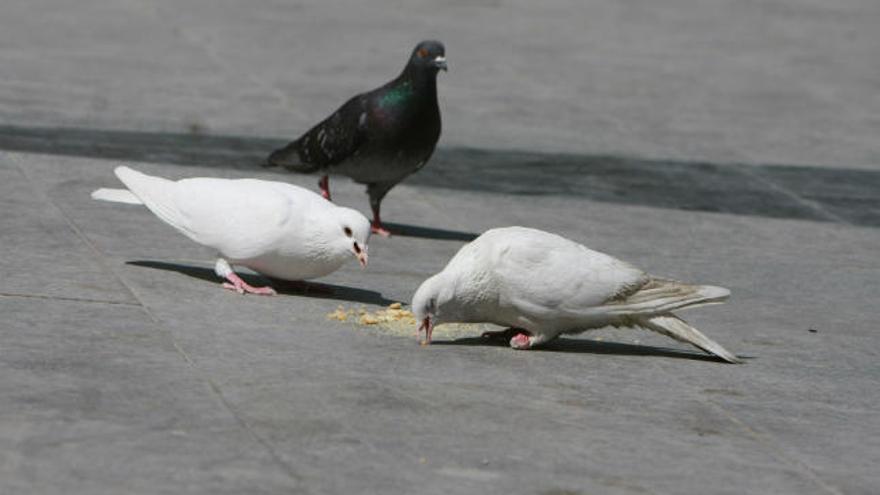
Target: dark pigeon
{"type": "Point", "coordinates": [379, 137]}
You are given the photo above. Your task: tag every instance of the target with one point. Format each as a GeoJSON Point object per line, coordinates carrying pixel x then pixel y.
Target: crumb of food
{"type": "Point", "coordinates": [339, 314]}
{"type": "Point", "coordinates": [395, 319]}
{"type": "Point", "coordinates": [368, 320]}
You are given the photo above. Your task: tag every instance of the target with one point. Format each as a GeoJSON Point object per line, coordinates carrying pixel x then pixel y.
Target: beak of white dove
{"type": "Point", "coordinates": [428, 326]}
{"type": "Point", "coordinates": [361, 254]}
{"type": "Point", "coordinates": [440, 62]}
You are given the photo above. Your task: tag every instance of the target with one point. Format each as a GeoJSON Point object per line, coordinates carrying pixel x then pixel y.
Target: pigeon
{"type": "Point", "coordinates": [379, 137]}
{"type": "Point", "coordinates": [277, 229]}
{"type": "Point", "coordinates": [542, 285]}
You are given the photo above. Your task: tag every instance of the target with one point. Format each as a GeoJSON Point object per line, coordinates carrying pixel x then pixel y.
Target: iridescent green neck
{"type": "Point", "coordinates": [396, 95]}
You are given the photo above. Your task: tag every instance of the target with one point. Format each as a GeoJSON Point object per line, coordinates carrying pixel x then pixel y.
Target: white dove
{"type": "Point", "coordinates": [542, 285]}
{"type": "Point", "coordinates": [274, 228]}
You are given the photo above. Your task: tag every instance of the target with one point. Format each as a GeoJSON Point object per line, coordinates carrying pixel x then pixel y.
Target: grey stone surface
{"type": "Point", "coordinates": [842, 195]}
{"type": "Point", "coordinates": [724, 142]}
{"type": "Point", "coordinates": [783, 81]}
{"type": "Point", "coordinates": [208, 391]}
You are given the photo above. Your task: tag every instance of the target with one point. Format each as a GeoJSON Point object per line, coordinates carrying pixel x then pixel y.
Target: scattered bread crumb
{"type": "Point", "coordinates": [397, 320]}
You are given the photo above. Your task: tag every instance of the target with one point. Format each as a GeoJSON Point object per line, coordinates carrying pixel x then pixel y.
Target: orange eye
{"type": "Point", "coordinates": [422, 53]}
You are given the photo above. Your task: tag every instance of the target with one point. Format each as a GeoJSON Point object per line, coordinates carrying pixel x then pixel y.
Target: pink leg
{"type": "Point", "coordinates": [521, 341]}
{"type": "Point", "coordinates": [377, 226]}
{"type": "Point", "coordinates": [238, 285]}
{"type": "Point", "coordinates": [324, 184]}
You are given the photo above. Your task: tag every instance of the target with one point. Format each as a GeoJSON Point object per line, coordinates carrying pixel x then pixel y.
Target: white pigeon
{"type": "Point", "coordinates": [542, 285]}
{"type": "Point", "coordinates": [277, 229]}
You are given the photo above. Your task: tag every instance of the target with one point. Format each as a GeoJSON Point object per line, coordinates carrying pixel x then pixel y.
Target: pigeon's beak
{"type": "Point", "coordinates": [360, 254]}
{"type": "Point", "coordinates": [428, 326]}
{"type": "Point", "coordinates": [440, 62]}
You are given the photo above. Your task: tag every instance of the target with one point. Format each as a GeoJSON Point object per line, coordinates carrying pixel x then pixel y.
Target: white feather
{"type": "Point", "coordinates": [549, 285]}
{"type": "Point", "coordinates": [116, 196]}
{"type": "Point", "coordinates": [277, 229]}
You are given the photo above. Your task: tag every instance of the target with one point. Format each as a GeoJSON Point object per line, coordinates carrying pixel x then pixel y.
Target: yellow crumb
{"type": "Point", "coordinates": [396, 320]}
{"type": "Point", "coordinates": [368, 320]}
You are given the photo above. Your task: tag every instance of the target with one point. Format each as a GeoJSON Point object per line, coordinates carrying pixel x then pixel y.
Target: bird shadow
{"type": "Point", "coordinates": [405, 230]}
{"type": "Point", "coordinates": [298, 288]}
{"type": "Point", "coordinates": [587, 346]}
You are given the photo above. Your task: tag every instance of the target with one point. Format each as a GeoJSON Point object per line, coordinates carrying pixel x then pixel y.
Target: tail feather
{"type": "Point", "coordinates": [157, 193]}
{"type": "Point", "coordinates": [288, 157]}
{"type": "Point", "coordinates": [662, 296]}
{"type": "Point", "coordinates": [673, 326]}
{"type": "Point", "coordinates": [116, 196]}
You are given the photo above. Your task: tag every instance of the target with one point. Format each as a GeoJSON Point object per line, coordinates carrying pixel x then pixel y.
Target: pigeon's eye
{"type": "Point", "coordinates": [422, 53]}
{"type": "Point", "coordinates": [347, 231]}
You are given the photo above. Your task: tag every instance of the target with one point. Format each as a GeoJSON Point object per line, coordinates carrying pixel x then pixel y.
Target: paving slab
{"type": "Point", "coordinates": [786, 82]}
{"type": "Point", "coordinates": [335, 407]}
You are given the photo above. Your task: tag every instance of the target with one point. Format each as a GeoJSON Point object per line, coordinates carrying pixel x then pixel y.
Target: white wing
{"type": "Point", "coordinates": [546, 275]}
{"type": "Point", "coordinates": [240, 218]}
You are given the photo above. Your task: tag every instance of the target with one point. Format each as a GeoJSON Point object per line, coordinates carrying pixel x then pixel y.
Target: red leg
{"type": "Point", "coordinates": [238, 285]}
{"type": "Point", "coordinates": [324, 184]}
{"type": "Point", "coordinates": [377, 226]}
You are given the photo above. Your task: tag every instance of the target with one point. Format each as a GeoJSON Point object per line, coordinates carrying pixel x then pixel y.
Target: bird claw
{"type": "Point", "coordinates": [227, 285]}
{"type": "Point", "coordinates": [521, 341]}
{"type": "Point", "coordinates": [238, 285]}
{"type": "Point", "coordinates": [380, 230]}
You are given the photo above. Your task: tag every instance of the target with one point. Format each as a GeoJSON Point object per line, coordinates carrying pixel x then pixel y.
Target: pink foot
{"type": "Point", "coordinates": [521, 341]}
{"type": "Point", "coordinates": [324, 184]}
{"type": "Point", "coordinates": [238, 285]}
{"type": "Point", "coordinates": [377, 228]}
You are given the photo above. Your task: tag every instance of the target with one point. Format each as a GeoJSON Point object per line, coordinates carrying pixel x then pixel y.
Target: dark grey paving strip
{"type": "Point", "coordinates": [156, 147]}
{"type": "Point", "coordinates": [851, 194]}
{"type": "Point", "coordinates": [775, 191]}
{"type": "Point", "coordinates": [810, 204]}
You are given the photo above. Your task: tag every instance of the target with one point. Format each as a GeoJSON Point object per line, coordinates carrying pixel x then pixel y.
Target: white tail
{"type": "Point", "coordinates": [673, 326]}
{"type": "Point", "coordinates": [116, 196]}
{"type": "Point", "coordinates": [158, 194]}
{"type": "Point", "coordinates": [660, 296]}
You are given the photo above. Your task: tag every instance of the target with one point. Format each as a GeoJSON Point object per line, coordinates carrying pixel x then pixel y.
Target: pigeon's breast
{"type": "Point", "coordinates": [399, 140]}
{"type": "Point", "coordinates": [382, 165]}
{"type": "Point", "coordinates": [293, 267]}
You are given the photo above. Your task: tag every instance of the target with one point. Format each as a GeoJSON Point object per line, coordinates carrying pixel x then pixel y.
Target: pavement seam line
{"type": "Point", "coordinates": [761, 438]}
{"type": "Point", "coordinates": [162, 328]}
{"type": "Point", "coordinates": [766, 440]}
{"type": "Point", "coordinates": [65, 298]}
{"type": "Point", "coordinates": [807, 203]}
{"type": "Point", "coordinates": [99, 256]}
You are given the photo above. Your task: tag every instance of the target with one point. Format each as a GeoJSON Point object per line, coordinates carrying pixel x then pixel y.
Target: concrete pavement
{"type": "Point", "coordinates": [725, 143]}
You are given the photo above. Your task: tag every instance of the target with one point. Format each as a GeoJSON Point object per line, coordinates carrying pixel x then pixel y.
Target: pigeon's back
{"type": "Point", "coordinates": [240, 218]}
{"type": "Point", "coordinates": [539, 272]}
